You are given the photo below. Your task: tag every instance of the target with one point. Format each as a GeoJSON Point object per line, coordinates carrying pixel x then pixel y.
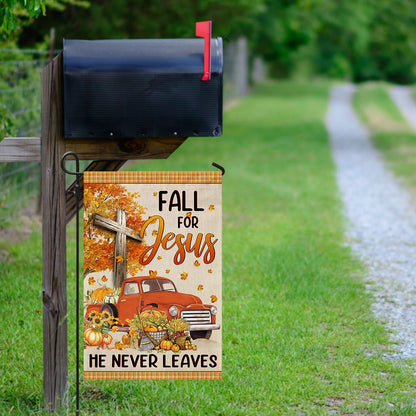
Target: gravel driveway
{"type": "Point", "coordinates": [380, 221]}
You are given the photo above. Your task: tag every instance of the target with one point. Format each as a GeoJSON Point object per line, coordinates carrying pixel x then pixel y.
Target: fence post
{"type": "Point", "coordinates": [55, 349]}
{"type": "Point", "coordinates": [51, 43]}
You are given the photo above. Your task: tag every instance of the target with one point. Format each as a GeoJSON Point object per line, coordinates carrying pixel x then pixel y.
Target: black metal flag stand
{"type": "Point", "coordinates": [77, 192]}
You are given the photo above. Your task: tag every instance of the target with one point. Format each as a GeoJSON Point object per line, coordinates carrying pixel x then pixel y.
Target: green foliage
{"type": "Point", "coordinates": [347, 39]}
{"type": "Point", "coordinates": [392, 48]}
{"type": "Point", "coordinates": [6, 122]}
{"type": "Point", "coordinates": [375, 37]}
{"type": "Point", "coordinates": [14, 14]}
{"type": "Point", "coordinates": [277, 29]}
{"type": "Point", "coordinates": [13, 11]}
{"type": "Point", "coordinates": [341, 36]}
{"type": "Point", "coordinates": [145, 19]}
{"type": "Point", "coordinates": [19, 92]}
{"type": "Point", "coordinates": [340, 67]}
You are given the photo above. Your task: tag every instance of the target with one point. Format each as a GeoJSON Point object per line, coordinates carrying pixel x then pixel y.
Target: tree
{"type": "Point", "coordinates": [15, 14]}
{"type": "Point", "coordinates": [278, 29]}
{"type": "Point", "coordinates": [13, 11]}
{"type": "Point", "coordinates": [355, 39]}
{"type": "Point", "coordinates": [144, 19]}
{"type": "Point", "coordinates": [392, 47]}
{"type": "Point", "coordinates": [342, 37]}
{"type": "Point", "coordinates": [105, 199]}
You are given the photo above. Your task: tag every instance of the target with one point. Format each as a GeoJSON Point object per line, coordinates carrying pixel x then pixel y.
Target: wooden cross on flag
{"type": "Point", "coordinates": [120, 250]}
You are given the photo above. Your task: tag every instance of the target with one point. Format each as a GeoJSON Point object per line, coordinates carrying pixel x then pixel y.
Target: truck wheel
{"type": "Point", "coordinates": [111, 308]}
{"type": "Point", "coordinates": [201, 334]}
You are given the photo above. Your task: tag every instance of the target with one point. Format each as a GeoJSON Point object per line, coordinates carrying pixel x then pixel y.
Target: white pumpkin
{"type": "Point", "coordinates": [111, 298]}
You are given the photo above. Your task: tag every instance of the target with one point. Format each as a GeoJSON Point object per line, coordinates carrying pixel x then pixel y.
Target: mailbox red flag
{"type": "Point", "coordinates": [204, 30]}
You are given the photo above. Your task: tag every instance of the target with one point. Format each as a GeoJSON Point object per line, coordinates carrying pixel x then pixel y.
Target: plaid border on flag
{"type": "Point", "coordinates": [152, 177]}
{"type": "Point", "coordinates": [209, 184]}
{"type": "Point", "coordinates": [152, 375]}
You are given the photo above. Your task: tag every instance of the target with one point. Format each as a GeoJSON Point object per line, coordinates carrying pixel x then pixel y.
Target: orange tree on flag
{"type": "Point", "coordinates": [105, 199]}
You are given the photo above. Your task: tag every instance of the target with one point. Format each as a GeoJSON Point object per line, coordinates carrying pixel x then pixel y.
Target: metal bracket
{"type": "Point", "coordinates": [216, 165]}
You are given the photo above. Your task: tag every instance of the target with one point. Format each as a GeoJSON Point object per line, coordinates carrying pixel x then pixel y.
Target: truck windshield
{"type": "Point", "coordinates": [157, 285]}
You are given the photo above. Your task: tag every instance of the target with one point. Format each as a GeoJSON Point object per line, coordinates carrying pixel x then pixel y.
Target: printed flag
{"type": "Point", "coordinates": [152, 275]}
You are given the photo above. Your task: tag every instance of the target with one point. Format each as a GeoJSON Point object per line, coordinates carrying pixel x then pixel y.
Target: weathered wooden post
{"type": "Point", "coordinates": [55, 350]}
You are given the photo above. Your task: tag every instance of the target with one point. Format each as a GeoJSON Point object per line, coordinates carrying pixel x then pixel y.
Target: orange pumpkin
{"type": "Point", "coordinates": [107, 338]}
{"type": "Point", "coordinates": [125, 339]}
{"type": "Point", "coordinates": [175, 348]}
{"type": "Point", "coordinates": [98, 295]}
{"type": "Point", "coordinates": [166, 344]}
{"type": "Point", "coordinates": [93, 336]}
{"type": "Point", "coordinates": [150, 328]}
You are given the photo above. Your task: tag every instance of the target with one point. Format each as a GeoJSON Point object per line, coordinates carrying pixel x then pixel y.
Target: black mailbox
{"type": "Point", "coordinates": [141, 88]}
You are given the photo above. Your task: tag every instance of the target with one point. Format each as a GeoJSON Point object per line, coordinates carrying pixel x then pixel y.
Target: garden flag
{"type": "Point", "coordinates": [152, 275]}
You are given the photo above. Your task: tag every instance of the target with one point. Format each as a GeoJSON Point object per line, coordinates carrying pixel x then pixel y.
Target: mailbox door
{"type": "Point", "coordinates": [141, 88]}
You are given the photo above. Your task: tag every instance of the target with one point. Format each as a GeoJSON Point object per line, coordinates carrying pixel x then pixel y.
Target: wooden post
{"type": "Point", "coordinates": [55, 349]}
{"type": "Point", "coordinates": [51, 43]}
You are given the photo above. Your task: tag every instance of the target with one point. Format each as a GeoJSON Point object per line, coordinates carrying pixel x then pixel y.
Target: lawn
{"type": "Point", "coordinates": [298, 333]}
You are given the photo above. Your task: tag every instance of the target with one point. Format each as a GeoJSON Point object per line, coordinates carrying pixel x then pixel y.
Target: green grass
{"type": "Point", "coordinates": [298, 334]}
{"type": "Point", "coordinates": [390, 131]}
